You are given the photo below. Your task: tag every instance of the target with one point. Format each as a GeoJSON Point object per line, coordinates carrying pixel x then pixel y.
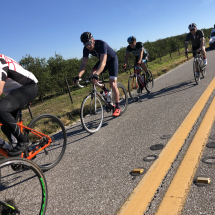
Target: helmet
{"type": "Point", "coordinates": [192, 26]}
{"type": "Point", "coordinates": [86, 36]}
{"type": "Point", "coordinates": [131, 39]}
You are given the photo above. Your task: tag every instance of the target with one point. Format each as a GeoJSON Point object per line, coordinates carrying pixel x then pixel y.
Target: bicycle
{"type": "Point", "coordinates": [48, 139]}
{"type": "Point", "coordinates": [23, 188]}
{"type": "Point", "coordinates": [137, 82]}
{"type": "Point", "coordinates": [92, 109]}
{"type": "Point", "coordinates": [198, 67]}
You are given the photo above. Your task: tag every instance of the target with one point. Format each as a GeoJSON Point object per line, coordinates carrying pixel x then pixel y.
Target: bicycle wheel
{"type": "Point", "coordinates": [51, 126]}
{"type": "Point", "coordinates": [123, 98]}
{"type": "Point", "coordinates": [23, 188]}
{"type": "Point", "coordinates": [91, 113]}
{"type": "Point", "coordinates": [196, 71]}
{"type": "Point", "coordinates": [203, 69]}
{"type": "Point", "coordinates": [133, 88]}
{"type": "Point", "coordinates": [149, 82]}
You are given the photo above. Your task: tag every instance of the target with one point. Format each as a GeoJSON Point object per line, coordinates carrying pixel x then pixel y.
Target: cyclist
{"type": "Point", "coordinates": [107, 60]}
{"type": "Point", "coordinates": [20, 88]}
{"type": "Point", "coordinates": [139, 52]}
{"type": "Point", "coordinates": [198, 42]}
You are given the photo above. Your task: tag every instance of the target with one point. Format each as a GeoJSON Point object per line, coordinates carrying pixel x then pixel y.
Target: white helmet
{"type": "Point", "coordinates": [192, 26]}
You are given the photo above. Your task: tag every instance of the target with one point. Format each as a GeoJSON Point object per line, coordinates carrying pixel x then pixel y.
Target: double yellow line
{"type": "Point", "coordinates": [173, 201]}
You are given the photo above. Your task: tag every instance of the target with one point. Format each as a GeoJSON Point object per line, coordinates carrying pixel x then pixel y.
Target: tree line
{"type": "Point", "coordinates": [51, 73]}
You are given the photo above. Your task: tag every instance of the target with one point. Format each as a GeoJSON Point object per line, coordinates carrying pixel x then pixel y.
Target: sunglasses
{"type": "Point", "coordinates": [88, 43]}
{"type": "Point", "coordinates": [192, 29]}
{"type": "Point", "coordinates": [131, 43]}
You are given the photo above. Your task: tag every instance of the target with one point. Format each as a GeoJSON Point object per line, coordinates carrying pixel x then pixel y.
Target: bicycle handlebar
{"type": "Point", "coordinates": [87, 81]}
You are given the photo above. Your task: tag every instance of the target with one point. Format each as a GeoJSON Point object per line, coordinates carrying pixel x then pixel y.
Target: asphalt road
{"type": "Point", "coordinates": [94, 177]}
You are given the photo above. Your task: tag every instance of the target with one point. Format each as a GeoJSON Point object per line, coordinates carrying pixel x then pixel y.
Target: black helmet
{"type": "Point", "coordinates": [86, 36]}
{"type": "Point", "coordinates": [131, 39]}
{"type": "Point", "coordinates": [192, 26]}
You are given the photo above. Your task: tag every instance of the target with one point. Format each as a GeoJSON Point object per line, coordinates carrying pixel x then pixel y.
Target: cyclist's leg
{"type": "Point", "coordinates": [194, 48]}
{"type": "Point", "coordinates": [143, 64]}
{"type": "Point", "coordinates": [14, 101]}
{"type": "Point", "coordinates": [113, 73]}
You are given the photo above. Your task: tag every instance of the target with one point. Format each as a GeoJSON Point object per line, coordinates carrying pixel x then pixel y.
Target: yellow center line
{"type": "Point", "coordinates": [143, 194]}
{"type": "Point", "coordinates": [177, 192]}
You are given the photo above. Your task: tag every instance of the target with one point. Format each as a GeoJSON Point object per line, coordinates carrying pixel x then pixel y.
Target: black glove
{"type": "Point", "coordinates": [76, 79]}
{"type": "Point", "coordinates": [124, 67]}
{"type": "Point", "coordinates": [95, 76]}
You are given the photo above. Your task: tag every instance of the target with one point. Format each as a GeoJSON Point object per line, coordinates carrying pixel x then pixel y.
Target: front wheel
{"type": "Point", "coordinates": [196, 71]}
{"type": "Point", "coordinates": [51, 136]}
{"type": "Point", "coordinates": [149, 82]}
{"type": "Point", "coordinates": [92, 113]}
{"type": "Point", "coordinates": [133, 88]}
{"type": "Point", "coordinates": [23, 188]}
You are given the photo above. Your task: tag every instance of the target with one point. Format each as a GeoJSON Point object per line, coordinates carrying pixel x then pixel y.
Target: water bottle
{"type": "Point", "coordinates": [5, 145]}
{"type": "Point", "coordinates": [104, 95]}
{"type": "Point", "coordinates": [108, 96]}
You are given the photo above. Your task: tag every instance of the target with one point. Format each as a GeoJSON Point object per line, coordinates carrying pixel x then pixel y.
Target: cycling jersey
{"type": "Point", "coordinates": [195, 39]}
{"type": "Point", "coordinates": [101, 47]}
{"type": "Point", "coordinates": [14, 75]}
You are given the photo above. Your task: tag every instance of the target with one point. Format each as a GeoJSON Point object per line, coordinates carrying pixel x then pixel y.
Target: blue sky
{"type": "Point", "coordinates": [44, 27]}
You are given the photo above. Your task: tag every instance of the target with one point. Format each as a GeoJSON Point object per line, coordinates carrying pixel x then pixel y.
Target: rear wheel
{"type": "Point", "coordinates": [149, 82]}
{"type": "Point", "coordinates": [23, 188]}
{"type": "Point", "coordinates": [92, 113]}
{"type": "Point", "coordinates": [51, 131]}
{"type": "Point", "coordinates": [196, 72]}
{"type": "Point", "coordinates": [133, 88]}
{"type": "Point", "coordinates": [123, 97]}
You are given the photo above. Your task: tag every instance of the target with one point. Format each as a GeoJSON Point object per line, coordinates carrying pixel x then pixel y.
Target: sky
{"type": "Point", "coordinates": [44, 27]}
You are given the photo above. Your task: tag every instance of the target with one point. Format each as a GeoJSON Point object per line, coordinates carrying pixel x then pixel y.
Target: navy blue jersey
{"type": "Point", "coordinates": [101, 47]}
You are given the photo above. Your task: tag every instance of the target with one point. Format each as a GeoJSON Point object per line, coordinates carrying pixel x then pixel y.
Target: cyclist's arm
{"type": "Point", "coordinates": [1, 86]}
{"type": "Point", "coordinates": [202, 42]}
{"type": "Point", "coordinates": [126, 58]}
{"type": "Point", "coordinates": [83, 66]}
{"type": "Point", "coordinates": [140, 55]}
{"type": "Point", "coordinates": [186, 46]}
{"type": "Point", "coordinates": [103, 60]}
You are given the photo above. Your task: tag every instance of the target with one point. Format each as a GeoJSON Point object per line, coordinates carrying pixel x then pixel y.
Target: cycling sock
{"type": "Point", "coordinates": [117, 105]}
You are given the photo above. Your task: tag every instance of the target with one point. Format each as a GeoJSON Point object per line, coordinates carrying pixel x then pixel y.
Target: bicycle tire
{"type": "Point", "coordinates": [149, 81]}
{"type": "Point", "coordinates": [197, 78]}
{"type": "Point", "coordinates": [203, 69]}
{"type": "Point", "coordinates": [53, 127]}
{"type": "Point", "coordinates": [91, 120]}
{"type": "Point", "coordinates": [123, 98]}
{"type": "Point", "coordinates": [23, 188]}
{"type": "Point", "coordinates": [133, 87]}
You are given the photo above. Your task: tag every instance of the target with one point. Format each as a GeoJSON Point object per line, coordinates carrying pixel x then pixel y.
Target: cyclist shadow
{"type": "Point", "coordinates": [170, 90]}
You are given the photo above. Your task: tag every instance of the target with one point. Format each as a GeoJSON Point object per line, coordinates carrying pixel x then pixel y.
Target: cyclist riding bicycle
{"type": "Point", "coordinates": [107, 60]}
{"type": "Point", "coordinates": [139, 52]}
{"type": "Point", "coordinates": [198, 42]}
{"type": "Point", "coordinates": [20, 88]}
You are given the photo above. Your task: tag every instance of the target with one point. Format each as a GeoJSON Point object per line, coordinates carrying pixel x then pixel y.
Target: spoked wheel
{"type": "Point", "coordinates": [24, 190]}
{"type": "Point", "coordinates": [133, 88]}
{"type": "Point", "coordinates": [56, 137]}
{"type": "Point", "coordinates": [196, 71]}
{"type": "Point", "coordinates": [203, 71]}
{"type": "Point", "coordinates": [123, 98]}
{"type": "Point", "coordinates": [92, 113]}
{"type": "Point", "coordinates": [149, 82]}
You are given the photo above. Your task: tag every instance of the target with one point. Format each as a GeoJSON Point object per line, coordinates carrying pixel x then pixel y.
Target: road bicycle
{"type": "Point", "coordinates": [48, 139]}
{"type": "Point", "coordinates": [138, 80]}
{"type": "Point", "coordinates": [23, 188]}
{"type": "Point", "coordinates": [198, 68]}
{"type": "Point", "coordinates": [92, 109]}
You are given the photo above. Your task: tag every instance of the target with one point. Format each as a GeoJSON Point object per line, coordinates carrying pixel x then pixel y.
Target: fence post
{"type": "Point", "coordinates": [179, 51]}
{"type": "Point", "coordinates": [170, 54]}
{"type": "Point", "coordinates": [68, 89]}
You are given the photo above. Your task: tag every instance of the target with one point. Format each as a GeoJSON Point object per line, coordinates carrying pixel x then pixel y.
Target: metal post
{"type": "Point", "coordinates": [68, 89]}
